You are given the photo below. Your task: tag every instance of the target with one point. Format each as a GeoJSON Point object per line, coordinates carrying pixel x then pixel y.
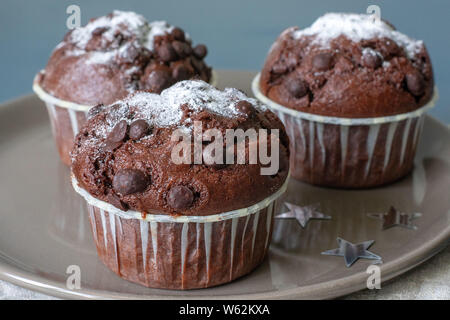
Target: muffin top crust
{"type": "Point", "coordinates": [348, 65]}
{"type": "Point", "coordinates": [123, 154]}
{"type": "Point", "coordinates": [120, 53]}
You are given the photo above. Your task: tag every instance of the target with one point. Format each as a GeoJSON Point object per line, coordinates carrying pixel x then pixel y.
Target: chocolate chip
{"type": "Point", "coordinates": [166, 52]}
{"type": "Point", "coordinates": [98, 31]}
{"type": "Point", "coordinates": [95, 110]}
{"type": "Point", "coordinates": [111, 146]}
{"type": "Point", "coordinates": [245, 107]}
{"type": "Point", "coordinates": [159, 80]}
{"type": "Point", "coordinates": [389, 49]}
{"type": "Point", "coordinates": [415, 83]}
{"type": "Point", "coordinates": [322, 61]}
{"type": "Point", "coordinates": [178, 34]}
{"type": "Point", "coordinates": [138, 129]}
{"type": "Point", "coordinates": [296, 87]}
{"type": "Point", "coordinates": [180, 72]}
{"type": "Point", "coordinates": [119, 132]}
{"type": "Point", "coordinates": [130, 54]}
{"type": "Point", "coordinates": [197, 64]}
{"type": "Point", "coordinates": [200, 51]}
{"type": "Point", "coordinates": [372, 60]}
{"type": "Point", "coordinates": [116, 202]}
{"type": "Point", "coordinates": [128, 181]}
{"type": "Point", "coordinates": [180, 48]}
{"type": "Point", "coordinates": [180, 197]}
{"type": "Point", "coordinates": [187, 49]}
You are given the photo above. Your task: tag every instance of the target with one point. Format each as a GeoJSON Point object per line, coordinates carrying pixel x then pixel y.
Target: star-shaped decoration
{"type": "Point", "coordinates": [352, 252]}
{"type": "Point", "coordinates": [395, 218]}
{"type": "Point", "coordinates": [302, 214]}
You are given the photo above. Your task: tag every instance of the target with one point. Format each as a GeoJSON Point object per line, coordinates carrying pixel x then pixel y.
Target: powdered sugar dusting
{"type": "Point", "coordinates": [165, 110]}
{"type": "Point", "coordinates": [98, 57]}
{"type": "Point", "coordinates": [356, 27]}
{"type": "Point", "coordinates": [127, 23]}
{"type": "Point", "coordinates": [200, 95]}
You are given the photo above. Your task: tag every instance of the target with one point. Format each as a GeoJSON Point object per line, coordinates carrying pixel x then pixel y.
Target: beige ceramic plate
{"type": "Point", "coordinates": [44, 227]}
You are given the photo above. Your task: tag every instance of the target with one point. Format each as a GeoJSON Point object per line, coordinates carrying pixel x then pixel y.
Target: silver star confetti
{"type": "Point", "coordinates": [302, 214]}
{"type": "Point", "coordinates": [352, 252]}
{"type": "Point", "coordinates": [395, 218]}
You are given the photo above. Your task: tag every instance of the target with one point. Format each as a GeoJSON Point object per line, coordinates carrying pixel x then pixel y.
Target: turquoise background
{"type": "Point", "coordinates": [238, 33]}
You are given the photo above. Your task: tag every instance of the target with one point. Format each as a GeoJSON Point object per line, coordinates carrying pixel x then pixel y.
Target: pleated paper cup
{"type": "Point", "coordinates": [349, 152]}
{"type": "Point", "coordinates": [181, 252]}
{"type": "Point", "coordinates": [67, 118]}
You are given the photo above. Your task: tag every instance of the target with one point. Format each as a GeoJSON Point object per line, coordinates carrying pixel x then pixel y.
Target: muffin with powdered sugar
{"type": "Point", "coordinates": [109, 58]}
{"type": "Point", "coordinates": [348, 65]}
{"type": "Point", "coordinates": [351, 90]}
{"type": "Point", "coordinates": [120, 53]}
{"type": "Point", "coordinates": [207, 221]}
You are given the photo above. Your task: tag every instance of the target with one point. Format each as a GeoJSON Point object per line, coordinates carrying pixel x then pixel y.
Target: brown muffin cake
{"type": "Point", "coordinates": [178, 226]}
{"type": "Point", "coordinates": [350, 91]}
{"type": "Point", "coordinates": [347, 65]}
{"type": "Point", "coordinates": [106, 60]}
{"type": "Point", "coordinates": [120, 53]}
{"type": "Point", "coordinates": [130, 141]}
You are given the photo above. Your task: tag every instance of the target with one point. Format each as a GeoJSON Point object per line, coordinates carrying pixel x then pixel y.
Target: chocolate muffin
{"type": "Point", "coordinates": [107, 59]}
{"type": "Point", "coordinates": [351, 91]}
{"type": "Point", "coordinates": [121, 53]}
{"type": "Point", "coordinates": [184, 225]}
{"type": "Point", "coordinates": [347, 65]}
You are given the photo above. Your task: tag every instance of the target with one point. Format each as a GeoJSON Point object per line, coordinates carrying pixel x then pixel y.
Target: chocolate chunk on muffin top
{"type": "Point", "coordinates": [348, 65]}
{"type": "Point", "coordinates": [123, 154]}
{"type": "Point", "coordinates": [120, 53]}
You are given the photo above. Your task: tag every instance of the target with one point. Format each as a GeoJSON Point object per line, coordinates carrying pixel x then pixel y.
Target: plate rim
{"type": "Point", "coordinates": [390, 270]}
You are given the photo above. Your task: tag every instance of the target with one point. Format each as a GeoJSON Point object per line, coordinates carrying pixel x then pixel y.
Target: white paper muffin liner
{"type": "Point", "coordinates": [181, 252]}
{"type": "Point", "coordinates": [349, 152]}
{"type": "Point", "coordinates": [67, 118]}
